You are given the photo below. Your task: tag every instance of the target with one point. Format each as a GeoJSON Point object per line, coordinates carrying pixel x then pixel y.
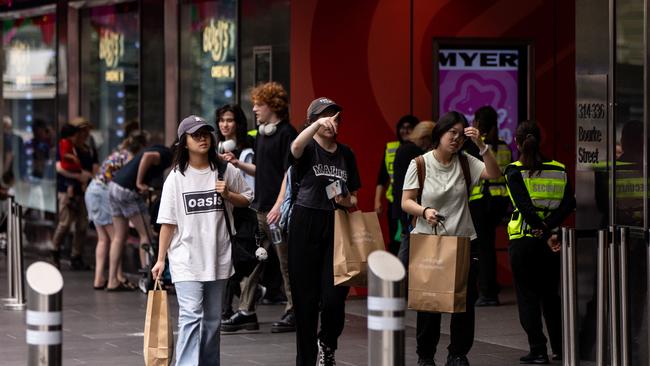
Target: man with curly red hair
{"type": "Point", "coordinates": [271, 161]}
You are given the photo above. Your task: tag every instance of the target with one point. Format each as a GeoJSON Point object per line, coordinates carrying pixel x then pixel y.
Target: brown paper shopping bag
{"type": "Point", "coordinates": [438, 272]}
{"type": "Point", "coordinates": [158, 334]}
{"type": "Point", "coordinates": [356, 235]}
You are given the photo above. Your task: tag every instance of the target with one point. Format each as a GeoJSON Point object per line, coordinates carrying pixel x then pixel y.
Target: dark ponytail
{"type": "Point", "coordinates": [528, 139]}
{"type": "Point", "coordinates": [486, 120]}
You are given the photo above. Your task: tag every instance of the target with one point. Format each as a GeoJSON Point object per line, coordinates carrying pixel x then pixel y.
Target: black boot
{"type": "Point", "coordinates": [534, 358]}
{"type": "Point", "coordinates": [240, 321]}
{"type": "Point", "coordinates": [286, 324]}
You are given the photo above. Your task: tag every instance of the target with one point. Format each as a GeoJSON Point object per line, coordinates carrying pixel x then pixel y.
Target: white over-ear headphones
{"type": "Point", "coordinates": [267, 129]}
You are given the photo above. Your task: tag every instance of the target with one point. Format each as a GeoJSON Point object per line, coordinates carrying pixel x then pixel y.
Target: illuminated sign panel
{"type": "Point", "coordinates": [219, 43]}
{"type": "Point", "coordinates": [473, 77]}
{"type": "Point", "coordinates": [111, 51]}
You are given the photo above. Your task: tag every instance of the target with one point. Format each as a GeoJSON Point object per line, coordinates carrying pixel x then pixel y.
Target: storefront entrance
{"type": "Point", "coordinates": [612, 182]}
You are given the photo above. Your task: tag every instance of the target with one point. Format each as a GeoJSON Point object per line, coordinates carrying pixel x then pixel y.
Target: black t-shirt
{"type": "Point", "coordinates": [127, 176]}
{"type": "Point", "coordinates": [271, 162]}
{"type": "Point", "coordinates": [317, 168]}
{"type": "Point", "coordinates": [403, 156]}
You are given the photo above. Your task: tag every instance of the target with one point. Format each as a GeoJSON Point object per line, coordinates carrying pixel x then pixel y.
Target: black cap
{"type": "Point", "coordinates": [318, 105]}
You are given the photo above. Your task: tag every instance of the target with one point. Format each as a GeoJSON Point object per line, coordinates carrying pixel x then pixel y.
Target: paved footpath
{"type": "Point", "coordinates": [103, 328]}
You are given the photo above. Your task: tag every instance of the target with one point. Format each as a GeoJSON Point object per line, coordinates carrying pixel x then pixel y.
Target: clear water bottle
{"type": "Point", "coordinates": [276, 234]}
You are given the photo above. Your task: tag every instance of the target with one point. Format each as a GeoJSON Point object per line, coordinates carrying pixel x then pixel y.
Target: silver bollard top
{"type": "Point", "coordinates": [386, 266]}
{"type": "Point", "coordinates": [44, 278]}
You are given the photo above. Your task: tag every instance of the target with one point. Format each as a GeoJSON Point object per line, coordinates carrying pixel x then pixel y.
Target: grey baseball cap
{"type": "Point", "coordinates": [318, 105]}
{"type": "Point", "coordinates": [191, 124]}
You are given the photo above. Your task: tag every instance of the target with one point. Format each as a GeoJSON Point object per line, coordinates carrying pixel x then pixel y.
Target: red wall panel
{"type": "Point", "coordinates": [359, 53]}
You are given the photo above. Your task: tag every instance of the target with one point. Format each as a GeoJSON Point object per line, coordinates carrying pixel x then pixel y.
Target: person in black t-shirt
{"type": "Point", "coordinates": [319, 161]}
{"type": "Point", "coordinates": [270, 164]}
{"type": "Point", "coordinates": [127, 204]}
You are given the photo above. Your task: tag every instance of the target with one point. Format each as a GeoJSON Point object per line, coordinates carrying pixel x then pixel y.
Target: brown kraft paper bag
{"type": "Point", "coordinates": [438, 273]}
{"type": "Point", "coordinates": [158, 334]}
{"type": "Point", "coordinates": [356, 235]}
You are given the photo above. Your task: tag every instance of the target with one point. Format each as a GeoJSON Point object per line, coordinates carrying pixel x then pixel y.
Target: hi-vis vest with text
{"type": "Point", "coordinates": [496, 187]}
{"type": "Point", "coordinates": [545, 189]}
{"type": "Point", "coordinates": [389, 158]}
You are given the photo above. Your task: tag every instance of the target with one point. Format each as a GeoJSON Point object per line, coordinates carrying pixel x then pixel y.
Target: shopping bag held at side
{"type": "Point", "coordinates": [356, 235]}
{"type": "Point", "coordinates": [158, 334]}
{"type": "Point", "coordinates": [438, 273]}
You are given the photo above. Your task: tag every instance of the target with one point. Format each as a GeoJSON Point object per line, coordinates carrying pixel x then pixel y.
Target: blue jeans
{"type": "Point", "coordinates": [199, 320]}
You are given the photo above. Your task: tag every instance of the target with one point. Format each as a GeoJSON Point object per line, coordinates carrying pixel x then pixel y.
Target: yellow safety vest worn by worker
{"type": "Point", "coordinates": [252, 133]}
{"type": "Point", "coordinates": [496, 187]}
{"type": "Point", "coordinates": [389, 158]}
{"type": "Point", "coordinates": [546, 190]}
{"type": "Point", "coordinates": [630, 193]}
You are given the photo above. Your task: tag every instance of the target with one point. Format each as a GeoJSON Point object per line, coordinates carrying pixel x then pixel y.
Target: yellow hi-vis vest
{"type": "Point", "coordinates": [389, 158]}
{"type": "Point", "coordinates": [252, 133]}
{"type": "Point", "coordinates": [496, 187]}
{"type": "Point", "coordinates": [546, 190]}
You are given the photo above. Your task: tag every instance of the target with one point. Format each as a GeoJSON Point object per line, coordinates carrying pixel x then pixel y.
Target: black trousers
{"type": "Point", "coordinates": [487, 214]}
{"type": "Point", "coordinates": [393, 225]}
{"type": "Point", "coordinates": [536, 274]}
{"type": "Point", "coordinates": [311, 257]}
{"type": "Point", "coordinates": [461, 327]}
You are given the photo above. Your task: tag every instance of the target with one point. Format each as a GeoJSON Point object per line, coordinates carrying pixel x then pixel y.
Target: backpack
{"type": "Point", "coordinates": [290, 194]}
{"type": "Point", "coordinates": [247, 239]}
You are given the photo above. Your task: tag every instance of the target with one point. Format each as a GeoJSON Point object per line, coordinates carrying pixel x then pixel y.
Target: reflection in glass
{"type": "Point", "coordinates": [208, 50]}
{"type": "Point", "coordinates": [110, 71]}
{"type": "Point", "coordinates": [29, 78]}
{"type": "Point", "coordinates": [629, 95]}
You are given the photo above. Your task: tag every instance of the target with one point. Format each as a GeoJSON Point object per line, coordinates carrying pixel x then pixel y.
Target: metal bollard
{"type": "Point", "coordinates": [566, 318]}
{"type": "Point", "coordinates": [386, 309]}
{"type": "Point", "coordinates": [17, 260]}
{"type": "Point", "coordinates": [573, 302]}
{"type": "Point", "coordinates": [44, 317]}
{"type": "Point", "coordinates": [624, 295]}
{"type": "Point", "coordinates": [11, 291]}
{"type": "Point", "coordinates": [601, 302]}
{"type": "Point", "coordinates": [614, 340]}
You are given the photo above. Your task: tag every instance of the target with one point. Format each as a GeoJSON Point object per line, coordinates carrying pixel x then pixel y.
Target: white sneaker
{"type": "Point", "coordinates": [325, 355]}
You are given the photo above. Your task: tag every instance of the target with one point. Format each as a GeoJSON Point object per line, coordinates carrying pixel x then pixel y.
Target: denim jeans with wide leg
{"type": "Point", "coordinates": [199, 320]}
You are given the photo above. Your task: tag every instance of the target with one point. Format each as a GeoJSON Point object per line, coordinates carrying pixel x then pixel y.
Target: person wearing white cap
{"type": "Point", "coordinates": [197, 195]}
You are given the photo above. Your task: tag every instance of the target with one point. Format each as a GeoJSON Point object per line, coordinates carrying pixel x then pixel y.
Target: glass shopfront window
{"type": "Point", "coordinates": [208, 61]}
{"type": "Point", "coordinates": [109, 51]}
{"type": "Point", "coordinates": [29, 92]}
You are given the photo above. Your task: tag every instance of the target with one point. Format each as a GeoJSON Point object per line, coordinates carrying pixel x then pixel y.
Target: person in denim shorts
{"type": "Point", "coordinates": [127, 204]}
{"type": "Point", "coordinates": [98, 204]}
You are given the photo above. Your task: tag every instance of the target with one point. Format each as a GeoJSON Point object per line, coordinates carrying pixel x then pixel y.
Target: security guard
{"type": "Point", "coordinates": [542, 199]}
{"type": "Point", "coordinates": [385, 180]}
{"type": "Point", "coordinates": [489, 205]}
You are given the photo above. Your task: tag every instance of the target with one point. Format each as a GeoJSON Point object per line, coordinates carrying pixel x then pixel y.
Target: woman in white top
{"type": "Point", "coordinates": [236, 147]}
{"type": "Point", "coordinates": [194, 200]}
{"type": "Point", "coordinates": [231, 123]}
{"type": "Point", "coordinates": [445, 194]}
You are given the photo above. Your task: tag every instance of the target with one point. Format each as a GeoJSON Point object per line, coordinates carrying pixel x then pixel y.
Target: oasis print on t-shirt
{"type": "Point", "coordinates": [202, 201]}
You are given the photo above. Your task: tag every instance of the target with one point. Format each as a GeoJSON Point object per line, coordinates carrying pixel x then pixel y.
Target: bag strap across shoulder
{"type": "Point", "coordinates": [221, 172]}
{"type": "Point", "coordinates": [464, 164]}
{"type": "Point", "coordinates": [422, 173]}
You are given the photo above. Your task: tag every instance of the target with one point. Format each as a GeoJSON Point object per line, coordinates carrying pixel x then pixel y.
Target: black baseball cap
{"type": "Point", "coordinates": [318, 105]}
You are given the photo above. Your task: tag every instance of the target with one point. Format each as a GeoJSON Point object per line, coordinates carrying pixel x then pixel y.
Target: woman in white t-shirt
{"type": "Point", "coordinates": [445, 194]}
{"type": "Point", "coordinates": [194, 235]}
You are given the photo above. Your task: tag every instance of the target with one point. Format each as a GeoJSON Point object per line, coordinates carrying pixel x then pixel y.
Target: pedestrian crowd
{"type": "Point", "coordinates": [228, 188]}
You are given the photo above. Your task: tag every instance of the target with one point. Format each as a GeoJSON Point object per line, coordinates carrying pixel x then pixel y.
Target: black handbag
{"type": "Point", "coordinates": [247, 240]}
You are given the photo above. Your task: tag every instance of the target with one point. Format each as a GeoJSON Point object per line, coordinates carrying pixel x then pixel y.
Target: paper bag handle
{"type": "Point", "coordinates": [157, 285]}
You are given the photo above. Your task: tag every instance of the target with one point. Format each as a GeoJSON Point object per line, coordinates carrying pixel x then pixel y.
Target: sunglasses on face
{"type": "Point", "coordinates": [200, 135]}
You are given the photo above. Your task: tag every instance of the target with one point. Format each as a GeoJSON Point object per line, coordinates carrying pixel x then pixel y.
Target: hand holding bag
{"type": "Point", "coordinates": [158, 334]}
{"type": "Point", "coordinates": [356, 235]}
